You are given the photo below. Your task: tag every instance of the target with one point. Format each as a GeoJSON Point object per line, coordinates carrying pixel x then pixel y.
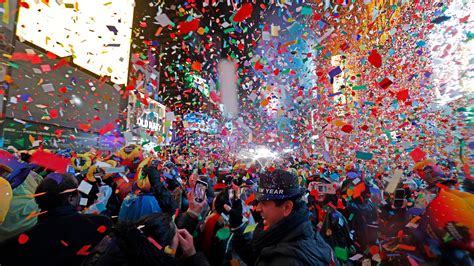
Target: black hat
{"type": "Point", "coordinates": [278, 185]}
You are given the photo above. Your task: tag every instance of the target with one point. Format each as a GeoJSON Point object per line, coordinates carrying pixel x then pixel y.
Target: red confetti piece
{"type": "Point", "coordinates": [102, 229]}
{"type": "Point", "coordinates": [464, 19]}
{"type": "Point", "coordinates": [214, 97]}
{"type": "Point", "coordinates": [85, 127]}
{"type": "Point", "coordinates": [374, 250]}
{"type": "Point", "coordinates": [406, 247]}
{"type": "Point", "coordinates": [50, 161]}
{"type": "Point", "coordinates": [24, 5]}
{"type": "Point", "coordinates": [59, 64]}
{"type": "Point", "coordinates": [58, 132]}
{"type": "Point", "coordinates": [347, 128]}
{"type": "Point", "coordinates": [151, 240]}
{"type": "Point", "coordinates": [53, 113]}
{"type": "Point", "coordinates": [106, 128]}
{"type": "Point", "coordinates": [22, 239]}
{"type": "Point", "coordinates": [402, 95]}
{"type": "Point", "coordinates": [357, 191]}
{"type": "Point", "coordinates": [83, 251]}
{"type": "Point", "coordinates": [187, 27]}
{"type": "Point", "coordinates": [250, 199]}
{"type": "Point", "coordinates": [385, 83]}
{"type": "Point", "coordinates": [375, 59]}
{"type": "Point", "coordinates": [243, 13]}
{"type": "Point", "coordinates": [417, 154]}
{"type": "Point", "coordinates": [64, 243]}
{"type": "Point", "coordinates": [33, 58]}
{"type": "Point", "coordinates": [51, 55]}
{"type": "Point", "coordinates": [196, 66]}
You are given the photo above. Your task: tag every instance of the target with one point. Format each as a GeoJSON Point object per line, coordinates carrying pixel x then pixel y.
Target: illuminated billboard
{"type": "Point", "coordinates": [95, 33]}
{"type": "Point", "coordinates": [147, 119]}
{"type": "Point", "coordinates": [199, 83]}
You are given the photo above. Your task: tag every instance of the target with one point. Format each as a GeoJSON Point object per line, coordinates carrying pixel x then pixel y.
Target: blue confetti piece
{"type": "Point", "coordinates": [334, 72]}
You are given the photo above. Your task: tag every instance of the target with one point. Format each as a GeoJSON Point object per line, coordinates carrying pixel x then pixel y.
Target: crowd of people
{"type": "Point", "coordinates": [173, 208]}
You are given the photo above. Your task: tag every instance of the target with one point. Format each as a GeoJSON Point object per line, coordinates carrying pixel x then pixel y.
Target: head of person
{"type": "Point", "coordinates": [150, 241]}
{"type": "Point", "coordinates": [279, 196]}
{"type": "Point", "coordinates": [221, 199]}
{"type": "Point", "coordinates": [161, 228]}
{"type": "Point", "coordinates": [57, 190]}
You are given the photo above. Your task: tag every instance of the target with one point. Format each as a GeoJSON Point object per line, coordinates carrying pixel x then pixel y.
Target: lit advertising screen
{"type": "Point", "coordinates": [147, 119]}
{"type": "Point", "coordinates": [95, 33]}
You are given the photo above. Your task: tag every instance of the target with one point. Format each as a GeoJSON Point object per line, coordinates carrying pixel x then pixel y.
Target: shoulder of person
{"type": "Point", "coordinates": [197, 259]}
{"type": "Point", "coordinates": [281, 261]}
{"type": "Point", "coordinates": [107, 252]}
{"type": "Point", "coordinates": [99, 219]}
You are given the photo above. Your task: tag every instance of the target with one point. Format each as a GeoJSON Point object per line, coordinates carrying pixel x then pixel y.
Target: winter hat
{"type": "Point", "coordinates": [278, 185]}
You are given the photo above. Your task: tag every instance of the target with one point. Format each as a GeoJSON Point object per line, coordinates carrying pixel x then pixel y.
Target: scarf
{"type": "Point", "coordinates": [278, 232]}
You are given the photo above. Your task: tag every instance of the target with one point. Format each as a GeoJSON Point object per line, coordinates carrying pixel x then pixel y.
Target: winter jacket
{"type": "Point", "coordinates": [290, 242]}
{"type": "Point", "coordinates": [62, 237]}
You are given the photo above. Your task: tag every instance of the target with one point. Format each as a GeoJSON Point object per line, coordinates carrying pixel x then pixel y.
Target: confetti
{"type": "Point", "coordinates": [243, 13]}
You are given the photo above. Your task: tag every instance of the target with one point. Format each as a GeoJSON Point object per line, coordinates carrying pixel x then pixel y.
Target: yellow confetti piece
{"type": "Point", "coordinates": [350, 192]}
{"type": "Point", "coordinates": [8, 79]}
{"type": "Point", "coordinates": [31, 139]}
{"type": "Point", "coordinates": [201, 31]}
{"type": "Point", "coordinates": [338, 123]}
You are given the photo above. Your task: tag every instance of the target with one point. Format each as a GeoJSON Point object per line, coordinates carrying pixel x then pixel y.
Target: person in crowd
{"type": "Point", "coordinates": [153, 240]}
{"type": "Point", "coordinates": [62, 236]}
{"type": "Point", "coordinates": [216, 249]}
{"type": "Point", "coordinates": [130, 156]}
{"type": "Point", "coordinates": [144, 200]}
{"type": "Point", "coordinates": [285, 236]}
{"type": "Point", "coordinates": [22, 183]}
{"type": "Point", "coordinates": [361, 210]}
{"type": "Point", "coordinates": [174, 184]}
